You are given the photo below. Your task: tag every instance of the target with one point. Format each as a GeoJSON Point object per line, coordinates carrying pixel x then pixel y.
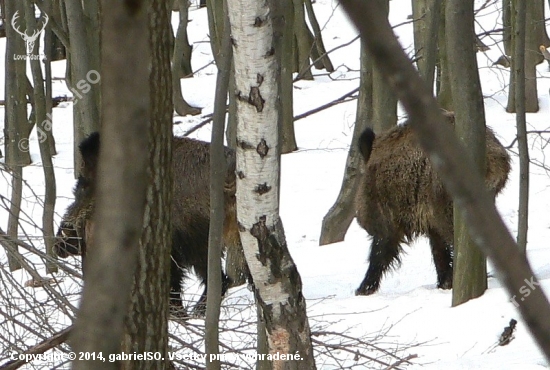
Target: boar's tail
{"type": "Point", "coordinates": [366, 141]}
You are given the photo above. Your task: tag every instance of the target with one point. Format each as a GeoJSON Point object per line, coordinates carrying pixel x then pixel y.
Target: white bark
{"type": "Point", "coordinates": [278, 286]}
{"type": "Point", "coordinates": [256, 91]}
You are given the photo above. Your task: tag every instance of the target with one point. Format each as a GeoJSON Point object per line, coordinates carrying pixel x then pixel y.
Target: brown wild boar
{"type": "Point", "coordinates": [399, 197]}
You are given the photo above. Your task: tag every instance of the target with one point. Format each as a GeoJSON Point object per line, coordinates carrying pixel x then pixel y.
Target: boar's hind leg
{"type": "Point", "coordinates": [443, 260]}
{"type": "Point", "coordinates": [383, 254]}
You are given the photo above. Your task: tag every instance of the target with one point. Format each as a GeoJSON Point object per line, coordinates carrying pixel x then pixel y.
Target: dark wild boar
{"type": "Point", "coordinates": [190, 214]}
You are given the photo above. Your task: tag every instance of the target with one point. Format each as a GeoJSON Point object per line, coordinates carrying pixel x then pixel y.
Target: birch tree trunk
{"type": "Point", "coordinates": [278, 286]}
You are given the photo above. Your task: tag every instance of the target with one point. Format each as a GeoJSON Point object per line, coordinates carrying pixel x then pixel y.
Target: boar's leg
{"type": "Point", "coordinates": [383, 254]}
{"type": "Point", "coordinates": [443, 260]}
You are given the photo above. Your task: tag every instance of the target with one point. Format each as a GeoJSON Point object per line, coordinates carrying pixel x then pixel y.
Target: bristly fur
{"type": "Point", "coordinates": [190, 210]}
{"type": "Point", "coordinates": [399, 196]}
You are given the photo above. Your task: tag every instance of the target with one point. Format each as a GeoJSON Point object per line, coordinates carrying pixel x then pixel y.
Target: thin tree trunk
{"type": "Point", "coordinates": [278, 286]}
{"type": "Point", "coordinates": [86, 105]}
{"type": "Point", "coordinates": [454, 166]}
{"type": "Point", "coordinates": [121, 195]}
{"type": "Point", "coordinates": [217, 200]}
{"type": "Point", "coordinates": [523, 149]}
{"type": "Point", "coordinates": [216, 19]}
{"type": "Point", "coordinates": [469, 264]}
{"type": "Point", "coordinates": [507, 26]}
{"type": "Point", "coordinates": [318, 39]}
{"type": "Point", "coordinates": [444, 85]}
{"type": "Point", "coordinates": [182, 57]}
{"type": "Point", "coordinates": [539, 24]}
{"type": "Point", "coordinates": [302, 45]}
{"type": "Point", "coordinates": [532, 43]}
{"type": "Point", "coordinates": [15, 120]}
{"type": "Point", "coordinates": [182, 49]}
{"type": "Point", "coordinates": [336, 222]}
{"type": "Point", "coordinates": [43, 127]}
{"type": "Point", "coordinates": [283, 36]}
{"type": "Point", "coordinates": [49, 52]}
{"type": "Point", "coordinates": [426, 14]}
{"type": "Point", "coordinates": [384, 102]}
{"type": "Point", "coordinates": [231, 129]}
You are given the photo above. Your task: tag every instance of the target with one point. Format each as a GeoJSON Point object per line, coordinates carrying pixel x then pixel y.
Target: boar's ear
{"type": "Point", "coordinates": [366, 141]}
{"type": "Point", "coordinates": [89, 149]}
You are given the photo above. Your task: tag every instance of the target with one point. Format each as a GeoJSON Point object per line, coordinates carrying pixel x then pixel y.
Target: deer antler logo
{"type": "Point", "coordinates": [29, 39]}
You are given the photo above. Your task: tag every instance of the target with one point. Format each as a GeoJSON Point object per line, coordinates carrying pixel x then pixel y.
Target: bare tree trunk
{"type": "Point", "coordinates": [278, 287]}
{"type": "Point", "coordinates": [539, 24]}
{"type": "Point", "coordinates": [337, 220]}
{"type": "Point", "coordinates": [302, 45]}
{"type": "Point", "coordinates": [49, 37]}
{"type": "Point", "coordinates": [523, 148]}
{"type": "Point", "coordinates": [147, 319]}
{"type": "Point", "coordinates": [16, 135]}
{"type": "Point", "coordinates": [217, 200]}
{"type": "Point", "coordinates": [181, 63]}
{"type": "Point", "coordinates": [121, 195]}
{"type": "Point", "coordinates": [384, 102]}
{"type": "Point", "coordinates": [283, 39]}
{"type": "Point", "coordinates": [307, 45]}
{"type": "Point", "coordinates": [216, 20]}
{"type": "Point", "coordinates": [507, 26]}
{"type": "Point", "coordinates": [82, 61]}
{"type": "Point", "coordinates": [469, 263]}
{"type": "Point", "coordinates": [182, 49]}
{"type": "Point", "coordinates": [532, 43]}
{"type": "Point", "coordinates": [426, 15]}
{"type": "Point", "coordinates": [452, 163]}
{"type": "Point", "coordinates": [322, 59]}
{"type": "Point", "coordinates": [376, 106]}
{"type": "Point", "coordinates": [43, 127]}
{"type": "Point", "coordinates": [443, 84]}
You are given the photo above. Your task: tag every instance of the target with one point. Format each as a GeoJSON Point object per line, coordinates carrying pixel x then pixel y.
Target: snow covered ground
{"type": "Point", "coordinates": [408, 305]}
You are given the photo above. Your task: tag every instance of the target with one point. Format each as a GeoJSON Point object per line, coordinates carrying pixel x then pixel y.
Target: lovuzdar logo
{"type": "Point", "coordinates": [29, 39]}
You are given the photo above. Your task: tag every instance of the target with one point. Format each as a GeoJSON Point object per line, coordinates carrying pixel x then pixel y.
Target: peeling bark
{"type": "Point", "coordinates": [278, 287]}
